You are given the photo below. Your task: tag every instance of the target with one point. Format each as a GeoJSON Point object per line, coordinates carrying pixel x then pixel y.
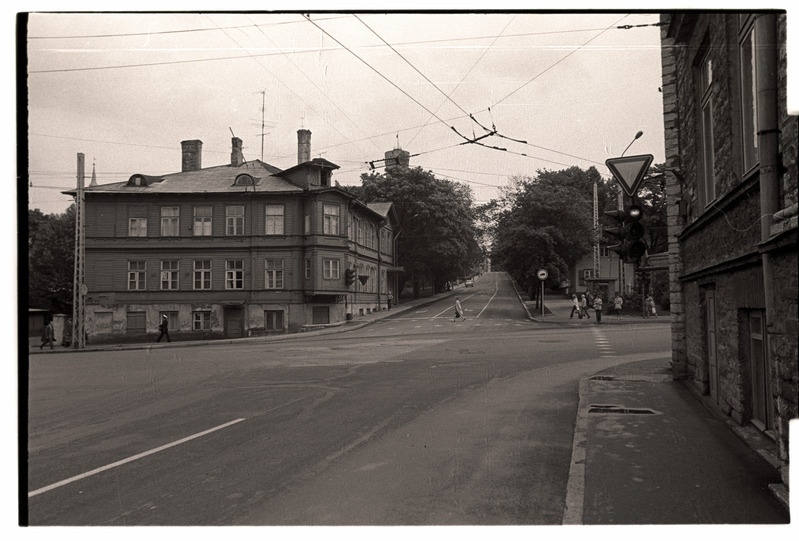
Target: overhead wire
{"type": "Point", "coordinates": [293, 92]}
{"type": "Point", "coordinates": [322, 91]}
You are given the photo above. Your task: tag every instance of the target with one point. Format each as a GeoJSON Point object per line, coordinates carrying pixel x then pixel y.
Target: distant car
{"type": "Point", "coordinates": [468, 283]}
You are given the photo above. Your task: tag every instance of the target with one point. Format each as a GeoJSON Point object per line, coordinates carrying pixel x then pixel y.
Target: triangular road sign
{"type": "Point", "coordinates": [629, 171]}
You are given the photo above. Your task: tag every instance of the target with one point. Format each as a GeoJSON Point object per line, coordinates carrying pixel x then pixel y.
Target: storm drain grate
{"type": "Point", "coordinates": [620, 410]}
{"type": "Point", "coordinates": [603, 378]}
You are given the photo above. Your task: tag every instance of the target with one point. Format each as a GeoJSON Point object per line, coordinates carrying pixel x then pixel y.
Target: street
{"type": "Point", "coordinates": [412, 420]}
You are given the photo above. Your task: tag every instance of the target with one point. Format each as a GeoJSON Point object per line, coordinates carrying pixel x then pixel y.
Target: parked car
{"type": "Point", "coordinates": [468, 283]}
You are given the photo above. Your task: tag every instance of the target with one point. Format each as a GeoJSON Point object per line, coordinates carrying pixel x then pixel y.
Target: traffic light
{"type": "Point", "coordinates": [349, 277]}
{"type": "Point", "coordinates": [628, 233]}
{"type": "Point", "coordinates": [618, 232]}
{"type": "Point", "coordinates": [635, 231]}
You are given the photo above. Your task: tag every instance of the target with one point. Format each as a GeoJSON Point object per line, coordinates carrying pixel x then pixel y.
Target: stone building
{"type": "Point", "coordinates": [233, 250]}
{"type": "Point", "coordinates": [731, 160]}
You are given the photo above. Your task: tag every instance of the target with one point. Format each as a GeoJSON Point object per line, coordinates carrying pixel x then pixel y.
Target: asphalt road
{"type": "Point", "coordinates": [411, 420]}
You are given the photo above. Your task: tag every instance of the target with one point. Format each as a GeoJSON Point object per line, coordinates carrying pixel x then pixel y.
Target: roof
{"type": "Point", "coordinates": [382, 208]}
{"type": "Point", "coordinates": [217, 179]}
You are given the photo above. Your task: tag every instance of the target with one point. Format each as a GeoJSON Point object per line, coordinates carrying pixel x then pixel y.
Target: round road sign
{"type": "Point", "coordinates": [542, 274]}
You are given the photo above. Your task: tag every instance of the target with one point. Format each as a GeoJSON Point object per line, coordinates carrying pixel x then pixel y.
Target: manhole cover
{"type": "Point", "coordinates": [620, 410]}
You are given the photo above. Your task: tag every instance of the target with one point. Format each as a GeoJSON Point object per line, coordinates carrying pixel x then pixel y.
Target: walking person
{"type": "Point", "coordinates": [617, 302]}
{"type": "Point", "coordinates": [650, 306]}
{"type": "Point", "coordinates": [164, 328]}
{"type": "Point", "coordinates": [66, 340]}
{"type": "Point", "coordinates": [458, 310]}
{"type": "Point", "coordinates": [48, 335]}
{"type": "Point", "coordinates": [598, 309]}
{"type": "Point", "coordinates": [575, 306]}
{"type": "Point", "coordinates": [584, 307]}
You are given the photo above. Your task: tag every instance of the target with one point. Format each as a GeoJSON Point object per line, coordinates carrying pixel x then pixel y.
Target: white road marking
{"type": "Point", "coordinates": [130, 459]}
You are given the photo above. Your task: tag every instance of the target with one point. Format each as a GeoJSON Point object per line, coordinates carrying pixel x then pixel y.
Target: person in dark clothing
{"type": "Point", "coordinates": [164, 328]}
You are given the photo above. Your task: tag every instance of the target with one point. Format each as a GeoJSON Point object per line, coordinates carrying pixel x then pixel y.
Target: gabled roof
{"type": "Point", "coordinates": [217, 179]}
{"type": "Point", "coordinates": [316, 162]}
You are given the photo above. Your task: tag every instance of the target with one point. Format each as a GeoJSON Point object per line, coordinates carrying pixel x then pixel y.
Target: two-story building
{"type": "Point", "coordinates": [233, 250]}
{"type": "Point", "coordinates": [731, 173]}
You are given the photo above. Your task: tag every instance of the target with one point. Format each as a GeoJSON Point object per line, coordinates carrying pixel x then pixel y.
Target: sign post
{"type": "Point", "coordinates": [629, 171]}
{"type": "Point", "coordinates": [542, 275]}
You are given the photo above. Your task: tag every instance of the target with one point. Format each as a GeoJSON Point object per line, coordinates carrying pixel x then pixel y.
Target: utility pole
{"type": "Point", "coordinates": [78, 285]}
{"type": "Point", "coordinates": [263, 112]}
{"type": "Point", "coordinates": [596, 232]}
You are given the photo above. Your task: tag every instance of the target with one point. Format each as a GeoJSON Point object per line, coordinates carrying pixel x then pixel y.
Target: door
{"type": "Point", "coordinates": [712, 360]}
{"type": "Point", "coordinates": [234, 319]}
{"type": "Point", "coordinates": [762, 415]}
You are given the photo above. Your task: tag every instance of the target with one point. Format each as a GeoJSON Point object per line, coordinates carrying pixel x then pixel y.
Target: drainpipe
{"type": "Point", "coordinates": [768, 142]}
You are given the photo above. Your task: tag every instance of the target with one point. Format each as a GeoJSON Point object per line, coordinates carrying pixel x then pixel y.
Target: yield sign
{"type": "Point", "coordinates": [629, 171]}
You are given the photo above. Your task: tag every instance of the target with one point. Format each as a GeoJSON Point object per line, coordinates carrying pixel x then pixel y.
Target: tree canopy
{"type": "Point", "coordinates": [51, 256]}
{"type": "Point", "coordinates": [438, 236]}
{"type": "Point", "coordinates": [546, 222]}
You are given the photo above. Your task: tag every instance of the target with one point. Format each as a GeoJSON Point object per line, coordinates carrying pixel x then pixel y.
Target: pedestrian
{"type": "Point", "coordinates": [390, 300]}
{"type": "Point", "coordinates": [598, 309]}
{"type": "Point", "coordinates": [458, 310]}
{"type": "Point", "coordinates": [584, 307]}
{"type": "Point", "coordinates": [164, 328]}
{"type": "Point", "coordinates": [575, 306]}
{"type": "Point", "coordinates": [48, 334]}
{"type": "Point", "coordinates": [589, 296]}
{"type": "Point", "coordinates": [66, 340]}
{"type": "Point", "coordinates": [650, 306]}
{"type": "Point", "coordinates": [617, 302]}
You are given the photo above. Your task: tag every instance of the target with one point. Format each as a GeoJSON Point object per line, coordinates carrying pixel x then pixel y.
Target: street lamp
{"type": "Point", "coordinates": [637, 135]}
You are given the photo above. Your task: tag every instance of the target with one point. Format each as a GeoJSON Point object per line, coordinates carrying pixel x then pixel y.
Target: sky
{"type": "Point", "coordinates": [124, 89]}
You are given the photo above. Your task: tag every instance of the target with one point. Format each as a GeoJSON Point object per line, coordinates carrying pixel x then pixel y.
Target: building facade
{"type": "Point", "coordinates": [240, 249]}
{"type": "Point", "coordinates": [731, 171]}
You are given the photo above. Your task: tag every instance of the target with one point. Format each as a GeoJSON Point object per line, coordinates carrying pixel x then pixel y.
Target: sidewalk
{"type": "Point", "coordinates": [558, 309]}
{"type": "Point", "coordinates": [647, 452]}
{"type": "Point", "coordinates": [356, 323]}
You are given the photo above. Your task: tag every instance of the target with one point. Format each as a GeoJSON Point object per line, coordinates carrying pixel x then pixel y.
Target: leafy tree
{"type": "Point", "coordinates": [51, 256]}
{"type": "Point", "coordinates": [439, 239]}
{"type": "Point", "coordinates": [547, 223]}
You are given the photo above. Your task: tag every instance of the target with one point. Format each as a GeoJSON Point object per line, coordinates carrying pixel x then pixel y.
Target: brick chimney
{"type": "Point", "coordinates": [192, 155]}
{"type": "Point", "coordinates": [236, 156]}
{"type": "Point", "coordinates": [303, 146]}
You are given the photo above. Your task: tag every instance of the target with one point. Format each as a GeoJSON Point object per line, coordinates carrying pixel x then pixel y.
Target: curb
{"type": "Point", "coordinates": [335, 328]}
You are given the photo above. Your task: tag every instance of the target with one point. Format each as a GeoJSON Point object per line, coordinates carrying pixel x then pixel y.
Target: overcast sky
{"type": "Point", "coordinates": [126, 89]}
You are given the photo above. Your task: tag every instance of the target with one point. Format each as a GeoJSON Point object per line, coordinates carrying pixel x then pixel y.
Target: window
{"type": "Point", "coordinates": [331, 269]}
{"type": "Point", "coordinates": [274, 274]}
{"type": "Point", "coordinates": [749, 100]}
{"type": "Point", "coordinates": [171, 320]}
{"type": "Point", "coordinates": [708, 159]}
{"type": "Point", "coordinates": [202, 274]}
{"type": "Point", "coordinates": [203, 219]}
{"type": "Point", "coordinates": [274, 219]}
{"type": "Point", "coordinates": [273, 320]}
{"type": "Point", "coordinates": [307, 224]}
{"type": "Point", "coordinates": [136, 322]}
{"type": "Point", "coordinates": [201, 320]}
{"type": "Point", "coordinates": [307, 269]}
{"type": "Point", "coordinates": [169, 274]}
{"type": "Point", "coordinates": [331, 215]}
{"type": "Point", "coordinates": [137, 227]}
{"type": "Point", "coordinates": [234, 274]}
{"type": "Point", "coordinates": [136, 275]}
{"type": "Point", "coordinates": [234, 219]}
{"type": "Point", "coordinates": [170, 220]}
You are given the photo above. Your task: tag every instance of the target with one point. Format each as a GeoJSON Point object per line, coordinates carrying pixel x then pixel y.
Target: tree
{"type": "Point", "coordinates": [51, 256]}
{"type": "Point", "coordinates": [438, 235]}
{"type": "Point", "coordinates": [547, 223]}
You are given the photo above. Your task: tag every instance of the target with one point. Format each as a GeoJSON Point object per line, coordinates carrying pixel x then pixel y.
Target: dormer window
{"type": "Point", "coordinates": [137, 180]}
{"type": "Point", "coordinates": [143, 180]}
{"type": "Point", "coordinates": [244, 180]}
